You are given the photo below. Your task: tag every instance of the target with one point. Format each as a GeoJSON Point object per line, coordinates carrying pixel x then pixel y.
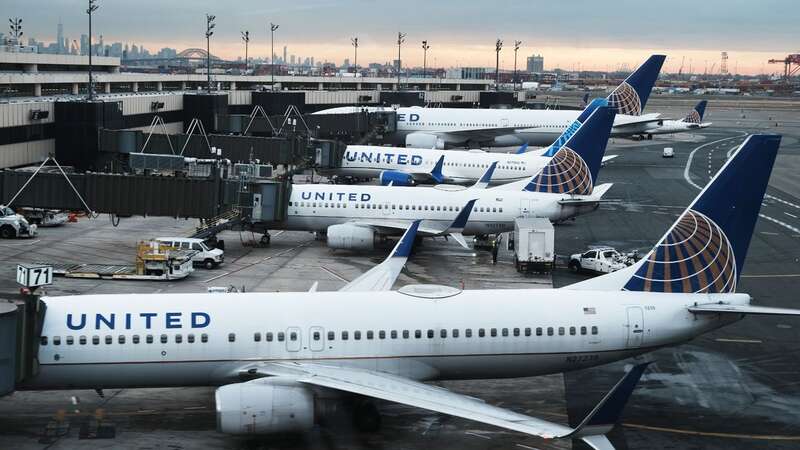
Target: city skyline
{"type": "Point", "coordinates": [575, 48]}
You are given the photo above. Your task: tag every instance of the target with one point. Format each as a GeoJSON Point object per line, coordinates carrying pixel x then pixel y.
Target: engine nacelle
{"type": "Point", "coordinates": [396, 178]}
{"type": "Point", "coordinates": [351, 237]}
{"type": "Point", "coordinates": [424, 140]}
{"type": "Point", "coordinates": [264, 406]}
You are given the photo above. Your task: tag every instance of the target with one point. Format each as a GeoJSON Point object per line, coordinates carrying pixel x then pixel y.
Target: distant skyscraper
{"type": "Point", "coordinates": [284, 55]}
{"type": "Point", "coordinates": [347, 62]}
{"type": "Point", "coordinates": [536, 64]}
{"type": "Point", "coordinates": [292, 59]}
{"type": "Point", "coordinates": [84, 44]}
{"type": "Point", "coordinates": [60, 37]}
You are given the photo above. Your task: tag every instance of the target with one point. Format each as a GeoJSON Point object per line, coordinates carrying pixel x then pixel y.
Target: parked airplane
{"type": "Point", "coordinates": [355, 216]}
{"type": "Point", "coordinates": [286, 360]}
{"type": "Point", "coordinates": [409, 166]}
{"type": "Point", "coordinates": [437, 127]}
{"type": "Point", "coordinates": [692, 122]}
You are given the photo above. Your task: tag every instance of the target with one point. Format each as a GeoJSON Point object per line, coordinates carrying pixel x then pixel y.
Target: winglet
{"type": "Point", "coordinates": [486, 178]}
{"type": "Point", "coordinates": [403, 247]}
{"type": "Point", "coordinates": [436, 172]}
{"type": "Point", "coordinates": [463, 216]}
{"type": "Point", "coordinates": [522, 149]}
{"type": "Point", "coordinates": [383, 276]}
{"type": "Point", "coordinates": [609, 410]}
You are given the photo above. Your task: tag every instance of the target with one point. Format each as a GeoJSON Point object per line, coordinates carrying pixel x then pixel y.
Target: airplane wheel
{"type": "Point", "coordinates": [575, 266]}
{"type": "Point", "coordinates": [366, 417]}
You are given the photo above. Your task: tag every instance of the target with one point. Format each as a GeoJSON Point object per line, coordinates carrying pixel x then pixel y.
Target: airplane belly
{"type": "Point", "coordinates": [538, 138]}
{"type": "Point", "coordinates": [109, 376]}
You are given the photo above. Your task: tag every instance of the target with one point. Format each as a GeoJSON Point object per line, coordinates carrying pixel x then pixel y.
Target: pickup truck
{"type": "Point", "coordinates": [601, 260]}
{"type": "Point", "coordinates": [14, 225]}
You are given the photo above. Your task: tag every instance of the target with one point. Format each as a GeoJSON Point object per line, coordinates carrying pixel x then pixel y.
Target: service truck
{"type": "Point", "coordinates": [534, 245]}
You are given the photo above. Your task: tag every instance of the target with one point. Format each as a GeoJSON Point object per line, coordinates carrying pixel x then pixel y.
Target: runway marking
{"type": "Point", "coordinates": [334, 274]}
{"type": "Point", "coordinates": [740, 341]}
{"type": "Point", "coordinates": [477, 435]}
{"type": "Point", "coordinates": [781, 275]}
{"type": "Point", "coordinates": [790, 214]}
{"type": "Point", "coordinates": [688, 167]}
{"type": "Point", "coordinates": [266, 258]}
{"type": "Point", "coordinates": [780, 200]}
{"type": "Point", "coordinates": [779, 222]}
{"type": "Point", "coordinates": [761, 437]}
{"type": "Point", "coordinates": [525, 446]}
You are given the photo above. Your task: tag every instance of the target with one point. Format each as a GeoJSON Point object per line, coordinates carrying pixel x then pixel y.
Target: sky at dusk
{"type": "Point", "coordinates": [571, 34]}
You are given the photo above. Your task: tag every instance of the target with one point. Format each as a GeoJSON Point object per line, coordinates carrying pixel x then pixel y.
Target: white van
{"type": "Point", "coordinates": [206, 257]}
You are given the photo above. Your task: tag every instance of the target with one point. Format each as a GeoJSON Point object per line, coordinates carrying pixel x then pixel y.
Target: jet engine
{"type": "Point", "coordinates": [263, 406]}
{"type": "Point", "coordinates": [396, 178]}
{"type": "Point", "coordinates": [424, 140]}
{"type": "Point", "coordinates": [351, 237]}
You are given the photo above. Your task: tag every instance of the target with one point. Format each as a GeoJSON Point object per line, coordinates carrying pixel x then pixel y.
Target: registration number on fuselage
{"type": "Point", "coordinates": [576, 359]}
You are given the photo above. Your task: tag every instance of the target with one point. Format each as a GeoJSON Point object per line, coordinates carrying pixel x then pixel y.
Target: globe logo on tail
{"type": "Point", "coordinates": [695, 257]}
{"type": "Point", "coordinates": [693, 117]}
{"type": "Point", "coordinates": [626, 100]}
{"type": "Point", "coordinates": [567, 173]}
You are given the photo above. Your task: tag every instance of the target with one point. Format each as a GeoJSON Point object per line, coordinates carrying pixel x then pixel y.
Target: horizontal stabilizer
{"type": "Point", "coordinates": [722, 308]}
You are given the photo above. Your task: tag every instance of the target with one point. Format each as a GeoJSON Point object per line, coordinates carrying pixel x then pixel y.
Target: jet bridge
{"type": "Point", "coordinates": [21, 319]}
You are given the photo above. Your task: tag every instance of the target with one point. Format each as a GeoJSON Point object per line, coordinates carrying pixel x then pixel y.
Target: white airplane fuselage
{"type": "Point", "coordinates": [115, 341]}
{"type": "Point", "coordinates": [678, 126]}
{"type": "Point", "coordinates": [459, 166]}
{"type": "Point", "coordinates": [538, 127]}
{"type": "Point", "coordinates": [315, 207]}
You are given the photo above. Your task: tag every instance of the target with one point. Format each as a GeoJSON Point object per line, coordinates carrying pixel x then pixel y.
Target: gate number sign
{"type": "Point", "coordinates": [30, 275]}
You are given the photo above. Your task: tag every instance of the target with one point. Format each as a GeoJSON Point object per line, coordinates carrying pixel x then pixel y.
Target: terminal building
{"type": "Point", "coordinates": [40, 94]}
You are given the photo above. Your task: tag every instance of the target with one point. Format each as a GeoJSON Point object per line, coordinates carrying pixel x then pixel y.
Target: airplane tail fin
{"type": "Point", "coordinates": [696, 116]}
{"type": "Point", "coordinates": [522, 149]}
{"type": "Point", "coordinates": [574, 168]}
{"type": "Point", "coordinates": [573, 127]}
{"type": "Point", "coordinates": [630, 97]}
{"type": "Point", "coordinates": [704, 250]}
{"type": "Point", "coordinates": [436, 172]}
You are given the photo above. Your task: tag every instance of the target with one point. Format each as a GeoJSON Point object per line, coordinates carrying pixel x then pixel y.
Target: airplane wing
{"type": "Point", "coordinates": [409, 392]}
{"type": "Point", "coordinates": [635, 124]}
{"type": "Point", "coordinates": [434, 176]}
{"type": "Point", "coordinates": [426, 227]}
{"type": "Point", "coordinates": [383, 276]}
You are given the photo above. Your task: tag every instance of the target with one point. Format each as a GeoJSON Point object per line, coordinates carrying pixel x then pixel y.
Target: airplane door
{"type": "Point", "coordinates": [316, 337]}
{"type": "Point", "coordinates": [635, 326]}
{"type": "Point", "coordinates": [256, 215]}
{"type": "Point", "coordinates": [387, 209]}
{"type": "Point", "coordinates": [294, 339]}
{"type": "Point", "coordinates": [504, 123]}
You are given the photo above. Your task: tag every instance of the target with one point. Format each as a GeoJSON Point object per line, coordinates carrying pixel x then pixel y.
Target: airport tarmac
{"type": "Point", "coordinates": [735, 388]}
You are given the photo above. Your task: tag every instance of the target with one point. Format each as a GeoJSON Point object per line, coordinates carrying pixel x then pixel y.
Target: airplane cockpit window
{"type": "Point", "coordinates": [231, 337]}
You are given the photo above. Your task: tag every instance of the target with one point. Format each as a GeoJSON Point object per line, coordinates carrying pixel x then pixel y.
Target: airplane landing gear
{"type": "Point", "coordinates": [265, 239]}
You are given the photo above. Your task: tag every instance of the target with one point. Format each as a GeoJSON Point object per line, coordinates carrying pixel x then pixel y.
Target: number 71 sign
{"type": "Point", "coordinates": [32, 275]}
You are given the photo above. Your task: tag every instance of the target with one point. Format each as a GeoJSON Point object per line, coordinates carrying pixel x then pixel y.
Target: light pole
{"type": "Point", "coordinates": [92, 8]}
{"type": "Point", "coordinates": [497, 47]}
{"type": "Point", "coordinates": [209, 32]}
{"type": "Point", "coordinates": [401, 37]}
{"type": "Point", "coordinates": [425, 48]}
{"type": "Point", "coordinates": [272, 28]}
{"type": "Point", "coordinates": [246, 39]}
{"type": "Point", "coordinates": [516, 48]}
{"type": "Point", "coordinates": [354, 41]}
{"type": "Point", "coordinates": [15, 25]}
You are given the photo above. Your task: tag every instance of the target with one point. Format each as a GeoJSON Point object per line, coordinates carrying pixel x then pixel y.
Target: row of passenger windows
{"type": "Point", "coordinates": [121, 339]}
{"type": "Point", "coordinates": [281, 336]}
{"type": "Point", "coordinates": [430, 334]}
{"type": "Point", "coordinates": [393, 206]}
{"type": "Point", "coordinates": [483, 166]}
